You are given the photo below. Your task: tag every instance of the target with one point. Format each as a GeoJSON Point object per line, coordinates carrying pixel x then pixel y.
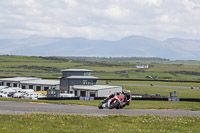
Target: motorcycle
{"type": "Point", "coordinates": [118, 100]}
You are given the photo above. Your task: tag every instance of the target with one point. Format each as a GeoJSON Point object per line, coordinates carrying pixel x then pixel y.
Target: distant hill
{"type": "Point", "coordinates": [131, 46]}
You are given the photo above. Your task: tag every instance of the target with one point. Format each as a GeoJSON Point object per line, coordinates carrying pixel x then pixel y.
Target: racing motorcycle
{"type": "Point", "coordinates": [117, 100]}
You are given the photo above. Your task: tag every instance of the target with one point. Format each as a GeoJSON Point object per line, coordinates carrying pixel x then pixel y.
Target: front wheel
{"type": "Point", "coordinates": [100, 106]}
{"type": "Point", "coordinates": [114, 104]}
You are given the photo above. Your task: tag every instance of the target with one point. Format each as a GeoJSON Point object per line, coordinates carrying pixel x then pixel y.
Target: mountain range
{"type": "Point", "coordinates": [131, 46]}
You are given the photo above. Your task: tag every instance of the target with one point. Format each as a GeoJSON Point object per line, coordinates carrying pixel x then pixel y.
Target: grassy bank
{"type": "Point", "coordinates": [51, 66]}
{"type": "Point", "coordinates": [135, 104]}
{"type": "Point", "coordinates": [29, 123]}
{"type": "Point", "coordinates": [182, 84]}
{"type": "Point", "coordinates": [182, 93]}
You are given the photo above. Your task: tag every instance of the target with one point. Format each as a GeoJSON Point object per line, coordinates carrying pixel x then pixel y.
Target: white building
{"type": "Point", "coordinates": [41, 85]}
{"type": "Point", "coordinates": [142, 66]}
{"type": "Point", "coordinates": [16, 81]}
{"type": "Point", "coordinates": [37, 84]}
{"type": "Point", "coordinates": [95, 90]}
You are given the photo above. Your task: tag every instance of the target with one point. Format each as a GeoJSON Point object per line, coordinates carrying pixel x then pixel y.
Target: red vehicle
{"type": "Point", "coordinates": [117, 100]}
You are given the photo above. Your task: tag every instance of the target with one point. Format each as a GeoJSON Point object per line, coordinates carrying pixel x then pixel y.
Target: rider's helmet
{"type": "Point", "coordinates": [128, 92]}
{"type": "Point", "coordinates": [124, 92]}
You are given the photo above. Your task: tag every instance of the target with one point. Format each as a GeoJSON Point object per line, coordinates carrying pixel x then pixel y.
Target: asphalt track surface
{"type": "Point", "coordinates": [11, 107]}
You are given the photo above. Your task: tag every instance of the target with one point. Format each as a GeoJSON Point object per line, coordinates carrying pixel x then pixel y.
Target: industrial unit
{"type": "Point", "coordinates": [37, 84]}
{"type": "Point", "coordinates": [16, 81]}
{"type": "Point", "coordinates": [95, 90]}
{"type": "Point", "coordinates": [40, 85]}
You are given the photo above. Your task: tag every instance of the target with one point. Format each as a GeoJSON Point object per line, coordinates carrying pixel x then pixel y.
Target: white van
{"type": "Point", "coordinates": [8, 92]}
{"type": "Point", "coordinates": [3, 87]}
{"type": "Point", "coordinates": [22, 92]}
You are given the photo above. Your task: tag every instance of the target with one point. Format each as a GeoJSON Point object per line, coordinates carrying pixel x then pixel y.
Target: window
{"type": "Point", "coordinates": [75, 93]}
{"type": "Point", "coordinates": [89, 82]}
{"type": "Point", "coordinates": [2, 83]}
{"type": "Point", "coordinates": [14, 84]}
{"type": "Point", "coordinates": [23, 87]}
{"type": "Point", "coordinates": [30, 86]}
{"type": "Point", "coordinates": [46, 88]}
{"type": "Point", "coordinates": [87, 73]}
{"type": "Point", "coordinates": [85, 82]}
{"type": "Point", "coordinates": [38, 88]}
{"type": "Point", "coordinates": [83, 93]}
{"type": "Point", "coordinates": [8, 84]}
{"type": "Point", "coordinates": [71, 92]}
{"type": "Point", "coordinates": [92, 94]}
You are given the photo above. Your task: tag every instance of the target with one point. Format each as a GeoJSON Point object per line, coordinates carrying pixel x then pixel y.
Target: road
{"type": "Point", "coordinates": [162, 86]}
{"type": "Point", "coordinates": [11, 107]}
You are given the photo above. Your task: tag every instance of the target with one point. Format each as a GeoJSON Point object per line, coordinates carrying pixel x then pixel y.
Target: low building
{"type": "Point", "coordinates": [41, 85]}
{"type": "Point", "coordinates": [16, 81]}
{"type": "Point", "coordinates": [142, 66]}
{"type": "Point", "coordinates": [95, 90]}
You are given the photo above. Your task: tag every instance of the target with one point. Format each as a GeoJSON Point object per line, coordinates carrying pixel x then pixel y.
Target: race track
{"type": "Point", "coordinates": [10, 107]}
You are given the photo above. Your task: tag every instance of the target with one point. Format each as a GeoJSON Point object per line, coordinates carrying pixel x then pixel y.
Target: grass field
{"type": "Point", "coordinates": [51, 66]}
{"type": "Point", "coordinates": [183, 84]}
{"type": "Point", "coordinates": [135, 104]}
{"type": "Point", "coordinates": [44, 123]}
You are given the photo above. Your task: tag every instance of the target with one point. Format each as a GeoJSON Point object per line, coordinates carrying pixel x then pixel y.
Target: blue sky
{"type": "Point", "coordinates": [100, 19]}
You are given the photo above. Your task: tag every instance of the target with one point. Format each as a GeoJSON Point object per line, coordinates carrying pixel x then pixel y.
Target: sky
{"type": "Point", "coordinates": [100, 19]}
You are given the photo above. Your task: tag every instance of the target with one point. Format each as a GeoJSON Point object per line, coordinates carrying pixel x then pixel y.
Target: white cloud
{"type": "Point", "coordinates": [105, 19]}
{"type": "Point", "coordinates": [116, 12]}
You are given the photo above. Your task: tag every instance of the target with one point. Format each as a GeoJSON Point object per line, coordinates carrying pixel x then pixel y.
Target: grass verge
{"type": "Point", "coordinates": [29, 123]}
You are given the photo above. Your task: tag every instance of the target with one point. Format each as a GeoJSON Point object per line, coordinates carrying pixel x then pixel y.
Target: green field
{"type": "Point", "coordinates": [184, 84]}
{"type": "Point", "coordinates": [51, 66]}
{"type": "Point", "coordinates": [45, 123]}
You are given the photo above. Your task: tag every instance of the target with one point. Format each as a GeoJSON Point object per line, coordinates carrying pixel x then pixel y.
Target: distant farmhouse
{"type": "Point", "coordinates": [142, 66]}
{"type": "Point", "coordinates": [73, 81]}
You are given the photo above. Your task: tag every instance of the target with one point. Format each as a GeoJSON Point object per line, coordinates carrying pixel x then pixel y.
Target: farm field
{"type": "Point", "coordinates": [183, 84]}
{"type": "Point", "coordinates": [97, 124]}
{"type": "Point", "coordinates": [50, 67]}
{"type": "Point", "coordinates": [182, 93]}
{"type": "Point", "coordinates": [136, 104]}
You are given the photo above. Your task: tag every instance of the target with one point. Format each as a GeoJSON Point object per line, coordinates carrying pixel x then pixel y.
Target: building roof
{"type": "Point", "coordinates": [93, 87]}
{"type": "Point", "coordinates": [82, 77]}
{"type": "Point", "coordinates": [76, 70]}
{"type": "Point", "coordinates": [18, 79]}
{"type": "Point", "coordinates": [42, 82]}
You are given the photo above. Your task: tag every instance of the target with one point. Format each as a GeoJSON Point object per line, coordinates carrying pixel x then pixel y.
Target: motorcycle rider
{"type": "Point", "coordinates": [124, 97]}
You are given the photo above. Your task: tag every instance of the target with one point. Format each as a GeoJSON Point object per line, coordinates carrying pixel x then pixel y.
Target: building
{"type": "Point", "coordinates": [142, 66]}
{"type": "Point", "coordinates": [37, 84]}
{"type": "Point", "coordinates": [95, 90]}
{"type": "Point", "coordinates": [71, 77]}
{"type": "Point", "coordinates": [41, 85]}
{"type": "Point", "coordinates": [16, 81]}
{"type": "Point", "coordinates": [81, 83]}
